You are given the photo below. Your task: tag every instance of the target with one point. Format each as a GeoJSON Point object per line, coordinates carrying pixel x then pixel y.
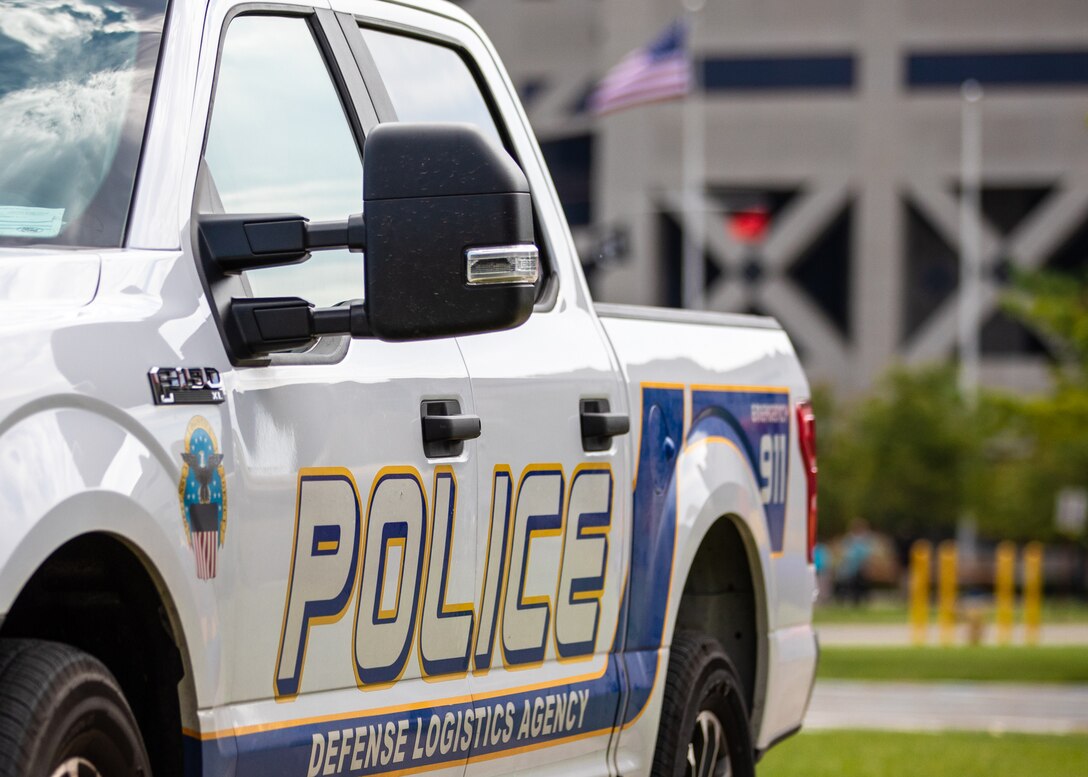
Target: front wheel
{"type": "Point", "coordinates": [64, 715]}
{"type": "Point", "coordinates": [704, 730]}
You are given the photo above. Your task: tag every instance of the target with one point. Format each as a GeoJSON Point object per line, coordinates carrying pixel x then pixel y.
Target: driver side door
{"type": "Point", "coordinates": [340, 523]}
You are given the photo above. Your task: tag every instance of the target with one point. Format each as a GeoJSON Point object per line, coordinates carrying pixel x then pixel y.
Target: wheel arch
{"type": "Point", "coordinates": [102, 594]}
{"type": "Point", "coordinates": [75, 466]}
{"type": "Point", "coordinates": [722, 586]}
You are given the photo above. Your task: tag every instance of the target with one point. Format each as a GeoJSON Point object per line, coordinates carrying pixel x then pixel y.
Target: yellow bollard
{"type": "Point", "coordinates": [1033, 591]}
{"type": "Point", "coordinates": [920, 556]}
{"type": "Point", "coordinates": [1004, 585]}
{"type": "Point", "coordinates": [946, 591]}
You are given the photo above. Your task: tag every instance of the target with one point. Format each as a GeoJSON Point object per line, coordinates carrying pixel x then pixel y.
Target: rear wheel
{"type": "Point", "coordinates": [704, 729]}
{"type": "Point", "coordinates": [62, 714]}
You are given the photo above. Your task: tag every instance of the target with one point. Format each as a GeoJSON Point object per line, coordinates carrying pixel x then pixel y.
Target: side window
{"type": "Point", "coordinates": [429, 81]}
{"type": "Point", "coordinates": [279, 142]}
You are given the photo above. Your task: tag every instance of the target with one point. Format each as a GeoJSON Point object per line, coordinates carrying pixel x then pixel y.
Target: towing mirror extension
{"type": "Point", "coordinates": [239, 242]}
{"type": "Point", "coordinates": [448, 234]}
{"type": "Point", "coordinates": [249, 241]}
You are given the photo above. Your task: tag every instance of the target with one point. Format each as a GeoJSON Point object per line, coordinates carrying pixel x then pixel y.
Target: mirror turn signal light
{"type": "Point", "coordinates": [502, 264]}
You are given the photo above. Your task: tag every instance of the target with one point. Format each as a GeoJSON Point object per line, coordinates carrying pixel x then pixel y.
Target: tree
{"type": "Point", "coordinates": [899, 458]}
{"type": "Point", "coordinates": [1053, 429]}
{"type": "Point", "coordinates": [1056, 306]}
{"type": "Point", "coordinates": [913, 456]}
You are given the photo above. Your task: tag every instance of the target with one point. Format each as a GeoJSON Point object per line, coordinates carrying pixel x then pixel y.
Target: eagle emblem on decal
{"type": "Point", "coordinates": [203, 494]}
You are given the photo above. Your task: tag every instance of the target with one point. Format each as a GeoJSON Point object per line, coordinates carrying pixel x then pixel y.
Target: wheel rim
{"type": "Point", "coordinates": [76, 767]}
{"type": "Point", "coordinates": [708, 755]}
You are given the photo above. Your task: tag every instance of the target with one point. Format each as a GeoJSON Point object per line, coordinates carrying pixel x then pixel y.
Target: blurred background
{"type": "Point", "coordinates": [904, 185]}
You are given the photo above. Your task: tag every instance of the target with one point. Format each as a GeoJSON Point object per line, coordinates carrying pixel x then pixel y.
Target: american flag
{"type": "Point", "coordinates": [660, 70]}
{"type": "Point", "coordinates": [206, 549]}
{"type": "Point", "coordinates": [205, 537]}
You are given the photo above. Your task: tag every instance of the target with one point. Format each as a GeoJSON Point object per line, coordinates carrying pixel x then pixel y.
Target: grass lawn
{"type": "Point", "coordinates": [894, 611]}
{"type": "Point", "coordinates": [1053, 664]}
{"type": "Point", "coordinates": [884, 754]}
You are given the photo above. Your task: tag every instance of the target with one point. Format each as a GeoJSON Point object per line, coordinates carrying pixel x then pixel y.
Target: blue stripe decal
{"type": "Point", "coordinates": [1019, 68]}
{"type": "Point", "coordinates": [758, 424]}
{"type": "Point", "coordinates": [428, 737]}
{"type": "Point", "coordinates": [653, 521]}
{"type": "Point", "coordinates": [641, 673]}
{"type": "Point", "coordinates": [733, 74]}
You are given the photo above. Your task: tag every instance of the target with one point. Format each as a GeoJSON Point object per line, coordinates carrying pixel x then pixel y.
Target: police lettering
{"type": "Point", "coordinates": [391, 554]}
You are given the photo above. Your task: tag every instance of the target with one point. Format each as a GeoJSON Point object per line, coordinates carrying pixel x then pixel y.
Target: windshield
{"type": "Point", "coordinates": [75, 81]}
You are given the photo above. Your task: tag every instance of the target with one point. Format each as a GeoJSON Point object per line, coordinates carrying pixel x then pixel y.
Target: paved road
{"type": "Point", "coordinates": [993, 707]}
{"type": "Point", "coordinates": [899, 634]}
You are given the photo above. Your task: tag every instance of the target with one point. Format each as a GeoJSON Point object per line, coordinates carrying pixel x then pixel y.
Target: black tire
{"type": "Point", "coordinates": [703, 714]}
{"type": "Point", "coordinates": [62, 714]}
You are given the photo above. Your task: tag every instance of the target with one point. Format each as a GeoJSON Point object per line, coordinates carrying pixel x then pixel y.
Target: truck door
{"type": "Point", "coordinates": [551, 537]}
{"type": "Point", "coordinates": [339, 521]}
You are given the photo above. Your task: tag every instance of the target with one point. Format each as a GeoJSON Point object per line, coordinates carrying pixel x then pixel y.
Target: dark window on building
{"type": "Point", "coordinates": [1002, 335]}
{"type": "Point", "coordinates": [1005, 207]}
{"type": "Point", "coordinates": [823, 270]}
{"type": "Point", "coordinates": [571, 163]}
{"type": "Point", "coordinates": [749, 212]}
{"type": "Point", "coordinates": [1006, 68]}
{"type": "Point", "coordinates": [1072, 257]}
{"type": "Point", "coordinates": [931, 268]}
{"type": "Point", "coordinates": [671, 239]}
{"type": "Point", "coordinates": [767, 73]}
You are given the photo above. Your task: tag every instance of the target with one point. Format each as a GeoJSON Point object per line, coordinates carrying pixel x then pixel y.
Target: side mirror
{"type": "Point", "coordinates": [448, 235]}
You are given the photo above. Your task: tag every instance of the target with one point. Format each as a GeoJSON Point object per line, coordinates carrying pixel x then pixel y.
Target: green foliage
{"type": "Point", "coordinates": [899, 458]}
{"type": "Point", "coordinates": [1055, 305]}
{"type": "Point", "coordinates": [1052, 431]}
{"type": "Point", "coordinates": [913, 456]}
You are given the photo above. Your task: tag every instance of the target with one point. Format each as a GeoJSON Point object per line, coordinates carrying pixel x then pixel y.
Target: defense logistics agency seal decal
{"type": "Point", "coordinates": [203, 494]}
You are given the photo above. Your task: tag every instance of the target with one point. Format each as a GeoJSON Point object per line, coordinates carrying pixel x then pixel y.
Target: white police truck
{"type": "Point", "coordinates": [317, 457]}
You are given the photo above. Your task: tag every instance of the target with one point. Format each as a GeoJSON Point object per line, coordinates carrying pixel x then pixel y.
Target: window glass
{"type": "Point", "coordinates": [279, 142]}
{"type": "Point", "coordinates": [428, 82]}
{"type": "Point", "coordinates": [75, 83]}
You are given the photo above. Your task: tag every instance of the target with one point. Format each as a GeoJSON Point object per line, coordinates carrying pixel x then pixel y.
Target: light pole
{"type": "Point", "coordinates": [970, 275]}
{"type": "Point", "coordinates": [970, 238]}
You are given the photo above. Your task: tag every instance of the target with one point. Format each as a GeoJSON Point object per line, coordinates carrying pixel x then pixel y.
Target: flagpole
{"type": "Point", "coordinates": [694, 163]}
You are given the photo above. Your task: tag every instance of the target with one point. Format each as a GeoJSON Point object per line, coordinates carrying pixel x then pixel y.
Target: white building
{"type": "Point", "coordinates": [837, 124]}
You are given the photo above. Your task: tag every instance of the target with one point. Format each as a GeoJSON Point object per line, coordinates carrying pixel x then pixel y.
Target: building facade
{"type": "Point", "coordinates": [832, 163]}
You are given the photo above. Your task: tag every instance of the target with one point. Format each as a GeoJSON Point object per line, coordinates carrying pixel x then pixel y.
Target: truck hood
{"type": "Point", "coordinates": [46, 279]}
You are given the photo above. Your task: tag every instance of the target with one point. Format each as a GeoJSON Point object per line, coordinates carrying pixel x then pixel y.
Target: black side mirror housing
{"type": "Point", "coordinates": [433, 193]}
{"type": "Point", "coordinates": [447, 231]}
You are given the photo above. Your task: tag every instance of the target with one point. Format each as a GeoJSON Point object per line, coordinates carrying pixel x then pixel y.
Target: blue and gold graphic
{"type": "Point", "coordinates": [203, 495]}
{"type": "Point", "coordinates": [756, 421]}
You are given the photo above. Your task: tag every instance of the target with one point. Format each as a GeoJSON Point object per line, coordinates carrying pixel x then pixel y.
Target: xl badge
{"type": "Point", "coordinates": [203, 494]}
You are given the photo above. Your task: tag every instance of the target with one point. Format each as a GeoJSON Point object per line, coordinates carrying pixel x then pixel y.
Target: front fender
{"type": "Point", "coordinates": [74, 466]}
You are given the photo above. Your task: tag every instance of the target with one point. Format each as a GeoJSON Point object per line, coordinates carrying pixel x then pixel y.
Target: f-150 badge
{"type": "Point", "coordinates": [203, 494]}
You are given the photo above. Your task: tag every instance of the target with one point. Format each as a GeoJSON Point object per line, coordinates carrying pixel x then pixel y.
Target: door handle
{"type": "Point", "coordinates": [445, 429]}
{"type": "Point", "coordinates": [599, 425]}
